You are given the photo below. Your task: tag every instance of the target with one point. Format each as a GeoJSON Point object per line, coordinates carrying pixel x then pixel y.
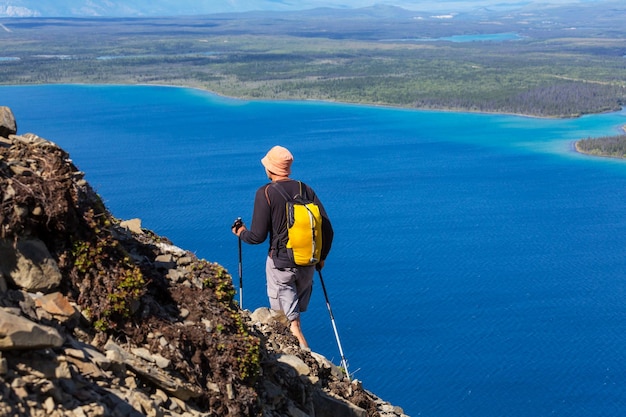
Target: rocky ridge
{"type": "Point", "coordinates": [100, 317]}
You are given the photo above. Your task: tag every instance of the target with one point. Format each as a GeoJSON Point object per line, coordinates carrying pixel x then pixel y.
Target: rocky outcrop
{"type": "Point", "coordinates": [8, 126]}
{"type": "Point", "coordinates": [100, 317]}
{"type": "Point", "coordinates": [20, 333]}
{"type": "Point", "coordinates": [28, 264]}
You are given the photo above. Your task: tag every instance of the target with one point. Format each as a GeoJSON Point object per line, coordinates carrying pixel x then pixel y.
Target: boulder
{"type": "Point", "coordinates": [58, 305]}
{"type": "Point", "coordinates": [29, 265]}
{"type": "Point", "coordinates": [264, 315]}
{"type": "Point", "coordinates": [19, 333]}
{"type": "Point", "coordinates": [7, 122]}
{"type": "Point", "coordinates": [331, 405]}
{"type": "Point", "coordinates": [154, 375]}
{"type": "Point", "coordinates": [134, 225]}
{"type": "Point", "coordinates": [294, 362]}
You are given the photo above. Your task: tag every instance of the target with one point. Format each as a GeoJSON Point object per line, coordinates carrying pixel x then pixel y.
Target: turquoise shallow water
{"type": "Point", "coordinates": [489, 37]}
{"type": "Point", "coordinates": [478, 266]}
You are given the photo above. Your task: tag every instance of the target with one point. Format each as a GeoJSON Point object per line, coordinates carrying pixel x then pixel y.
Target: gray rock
{"type": "Point", "coordinates": [185, 260]}
{"type": "Point", "coordinates": [174, 250]}
{"type": "Point", "coordinates": [335, 370]}
{"type": "Point", "coordinates": [29, 265]}
{"type": "Point", "coordinates": [32, 139]}
{"type": "Point", "coordinates": [165, 261]}
{"type": "Point", "coordinates": [154, 375]}
{"type": "Point", "coordinates": [264, 315]}
{"type": "Point", "coordinates": [329, 405]}
{"type": "Point", "coordinates": [19, 333]}
{"type": "Point", "coordinates": [143, 353]}
{"type": "Point", "coordinates": [294, 362]}
{"type": "Point", "coordinates": [134, 225]}
{"type": "Point", "coordinates": [8, 126]}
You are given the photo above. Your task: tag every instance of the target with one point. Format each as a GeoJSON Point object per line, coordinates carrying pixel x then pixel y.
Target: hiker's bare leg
{"type": "Point", "coordinates": [296, 330]}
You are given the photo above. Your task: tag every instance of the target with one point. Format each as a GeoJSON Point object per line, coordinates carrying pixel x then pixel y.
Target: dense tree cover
{"type": "Point", "coordinates": [552, 71]}
{"type": "Point", "coordinates": [613, 146]}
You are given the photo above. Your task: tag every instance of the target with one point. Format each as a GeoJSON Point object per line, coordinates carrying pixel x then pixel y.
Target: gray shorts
{"type": "Point", "coordinates": [289, 289]}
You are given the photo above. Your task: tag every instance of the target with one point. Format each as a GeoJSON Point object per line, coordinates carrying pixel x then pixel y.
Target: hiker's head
{"type": "Point", "coordinates": [278, 161]}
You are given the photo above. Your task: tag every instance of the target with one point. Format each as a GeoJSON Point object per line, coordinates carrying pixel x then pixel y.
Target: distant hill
{"type": "Point", "coordinates": [139, 8]}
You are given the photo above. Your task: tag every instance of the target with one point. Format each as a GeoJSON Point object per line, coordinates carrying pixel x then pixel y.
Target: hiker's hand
{"type": "Point", "coordinates": [319, 265]}
{"type": "Point", "coordinates": [237, 229]}
{"type": "Point", "coordinates": [238, 226]}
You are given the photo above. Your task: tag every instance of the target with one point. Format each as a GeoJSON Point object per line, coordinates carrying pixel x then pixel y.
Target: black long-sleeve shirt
{"type": "Point", "coordinates": [269, 217]}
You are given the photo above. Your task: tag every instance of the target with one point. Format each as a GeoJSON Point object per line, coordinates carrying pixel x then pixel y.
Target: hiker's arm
{"type": "Point", "coordinates": [261, 220]}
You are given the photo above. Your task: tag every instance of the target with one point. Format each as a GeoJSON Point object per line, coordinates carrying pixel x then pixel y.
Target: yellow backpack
{"type": "Point", "coordinates": [304, 228]}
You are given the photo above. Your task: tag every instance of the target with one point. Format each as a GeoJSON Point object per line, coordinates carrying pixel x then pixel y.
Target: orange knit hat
{"type": "Point", "coordinates": [278, 161]}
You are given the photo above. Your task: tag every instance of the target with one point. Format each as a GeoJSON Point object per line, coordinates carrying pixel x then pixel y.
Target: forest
{"type": "Point", "coordinates": [611, 146]}
{"type": "Point", "coordinates": [562, 61]}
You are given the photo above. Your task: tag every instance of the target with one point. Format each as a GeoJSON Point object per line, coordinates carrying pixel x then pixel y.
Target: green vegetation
{"type": "Point", "coordinates": [101, 265]}
{"type": "Point", "coordinates": [568, 61]}
{"type": "Point", "coordinates": [247, 347]}
{"type": "Point", "coordinates": [221, 284]}
{"type": "Point", "coordinates": [611, 146]}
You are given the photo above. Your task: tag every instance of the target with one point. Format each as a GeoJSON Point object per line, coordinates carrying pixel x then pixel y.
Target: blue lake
{"type": "Point", "coordinates": [479, 262]}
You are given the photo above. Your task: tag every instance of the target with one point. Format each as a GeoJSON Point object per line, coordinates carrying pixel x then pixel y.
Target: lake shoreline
{"type": "Point", "coordinates": [389, 106]}
{"type": "Point", "coordinates": [577, 148]}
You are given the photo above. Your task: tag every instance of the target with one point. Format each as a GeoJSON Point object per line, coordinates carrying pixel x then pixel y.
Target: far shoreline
{"type": "Point", "coordinates": [320, 100]}
{"type": "Point", "coordinates": [388, 106]}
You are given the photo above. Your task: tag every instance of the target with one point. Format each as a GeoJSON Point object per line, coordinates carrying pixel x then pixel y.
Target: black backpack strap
{"type": "Point", "coordinates": [283, 193]}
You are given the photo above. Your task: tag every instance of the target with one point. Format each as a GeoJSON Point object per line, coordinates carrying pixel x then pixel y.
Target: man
{"type": "Point", "coordinates": [289, 286]}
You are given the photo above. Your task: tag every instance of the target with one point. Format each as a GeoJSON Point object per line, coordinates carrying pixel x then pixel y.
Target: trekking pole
{"type": "Point", "coordinates": [344, 362]}
{"type": "Point", "coordinates": [238, 223]}
{"type": "Point", "coordinates": [240, 278]}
